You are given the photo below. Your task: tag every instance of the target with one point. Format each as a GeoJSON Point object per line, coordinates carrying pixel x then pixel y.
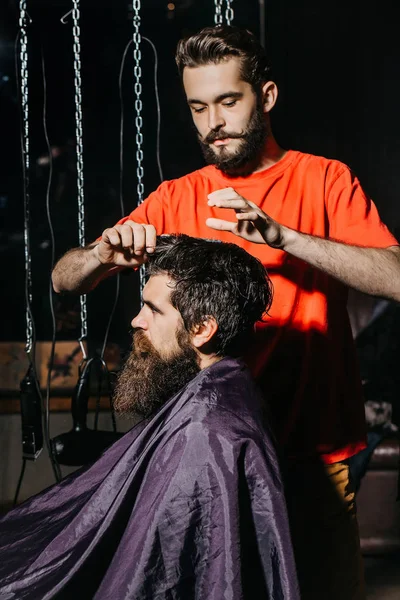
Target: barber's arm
{"type": "Point", "coordinates": [374, 271]}
{"type": "Point", "coordinates": [124, 245]}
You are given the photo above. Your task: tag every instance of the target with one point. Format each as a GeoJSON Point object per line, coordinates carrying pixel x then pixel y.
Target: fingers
{"type": "Point", "coordinates": [256, 218]}
{"type": "Point", "coordinates": [248, 216]}
{"type": "Point", "coordinates": [236, 204]}
{"type": "Point", "coordinates": [223, 194]}
{"type": "Point", "coordinates": [151, 238]}
{"type": "Point", "coordinates": [244, 219]}
{"type": "Point", "coordinates": [229, 198]}
{"type": "Point", "coordinates": [133, 237]}
{"type": "Point", "coordinates": [246, 212]}
{"type": "Point", "coordinates": [221, 225]}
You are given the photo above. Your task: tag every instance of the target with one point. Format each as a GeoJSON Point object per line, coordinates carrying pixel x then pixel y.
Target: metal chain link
{"type": "Point", "coordinates": [218, 12]}
{"type": "Point", "coordinates": [79, 150]}
{"type": "Point", "coordinates": [229, 12]}
{"type": "Point", "coordinates": [137, 56]}
{"type": "Point", "coordinates": [218, 16]}
{"type": "Point", "coordinates": [23, 21]}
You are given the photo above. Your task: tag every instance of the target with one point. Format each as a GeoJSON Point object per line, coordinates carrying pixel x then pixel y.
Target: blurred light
{"type": "Point", "coordinates": [171, 6]}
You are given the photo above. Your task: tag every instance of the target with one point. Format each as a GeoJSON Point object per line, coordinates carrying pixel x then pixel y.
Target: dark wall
{"type": "Point", "coordinates": [337, 66]}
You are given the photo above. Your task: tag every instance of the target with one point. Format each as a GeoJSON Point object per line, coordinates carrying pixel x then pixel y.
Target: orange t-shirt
{"type": "Point", "coordinates": [303, 355]}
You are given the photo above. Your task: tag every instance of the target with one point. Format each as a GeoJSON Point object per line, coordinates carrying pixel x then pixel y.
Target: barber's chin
{"type": "Point", "coordinates": [223, 153]}
{"type": "Point", "coordinates": [242, 170]}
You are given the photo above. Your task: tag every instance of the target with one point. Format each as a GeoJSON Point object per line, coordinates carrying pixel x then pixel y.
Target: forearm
{"type": "Point", "coordinates": [79, 270]}
{"type": "Point", "coordinates": [374, 271]}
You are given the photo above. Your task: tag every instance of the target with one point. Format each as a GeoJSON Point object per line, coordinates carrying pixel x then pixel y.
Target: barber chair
{"type": "Point", "coordinates": [378, 509]}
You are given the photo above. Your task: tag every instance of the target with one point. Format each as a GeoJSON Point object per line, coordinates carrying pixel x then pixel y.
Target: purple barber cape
{"type": "Point", "coordinates": [188, 504]}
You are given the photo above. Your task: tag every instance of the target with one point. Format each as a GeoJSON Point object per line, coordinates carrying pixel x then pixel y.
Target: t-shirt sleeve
{"type": "Point", "coordinates": [353, 216]}
{"type": "Point", "coordinates": [152, 210]}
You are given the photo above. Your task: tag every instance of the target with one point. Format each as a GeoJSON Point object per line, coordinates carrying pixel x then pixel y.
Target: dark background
{"type": "Point", "coordinates": [337, 67]}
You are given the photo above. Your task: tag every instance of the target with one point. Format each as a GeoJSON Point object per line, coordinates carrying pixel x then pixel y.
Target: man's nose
{"type": "Point", "coordinates": [215, 118]}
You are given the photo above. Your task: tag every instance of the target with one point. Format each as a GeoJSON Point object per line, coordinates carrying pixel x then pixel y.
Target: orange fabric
{"type": "Point", "coordinates": [303, 355]}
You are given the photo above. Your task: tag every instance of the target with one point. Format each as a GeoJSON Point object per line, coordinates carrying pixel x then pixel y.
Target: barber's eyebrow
{"type": "Point", "coordinates": [152, 306]}
{"type": "Point", "coordinates": [220, 98]}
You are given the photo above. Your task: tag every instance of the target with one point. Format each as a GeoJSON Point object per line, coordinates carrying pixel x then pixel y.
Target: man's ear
{"type": "Point", "coordinates": [269, 95]}
{"type": "Point", "coordinates": [204, 332]}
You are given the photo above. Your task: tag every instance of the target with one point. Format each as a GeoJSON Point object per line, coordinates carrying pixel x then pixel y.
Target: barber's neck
{"type": "Point", "coordinates": [271, 154]}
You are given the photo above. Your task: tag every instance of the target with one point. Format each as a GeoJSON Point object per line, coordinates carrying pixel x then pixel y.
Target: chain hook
{"type": "Point", "coordinates": [65, 17]}
{"type": "Point", "coordinates": [83, 349]}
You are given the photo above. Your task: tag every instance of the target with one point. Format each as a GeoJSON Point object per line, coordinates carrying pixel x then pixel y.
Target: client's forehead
{"type": "Point", "coordinates": [158, 290]}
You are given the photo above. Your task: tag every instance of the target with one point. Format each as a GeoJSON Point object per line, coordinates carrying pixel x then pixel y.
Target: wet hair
{"type": "Point", "coordinates": [212, 278]}
{"type": "Point", "coordinates": [213, 45]}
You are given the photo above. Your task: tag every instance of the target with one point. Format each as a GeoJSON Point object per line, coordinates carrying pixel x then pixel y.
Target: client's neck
{"type": "Point", "coordinates": [206, 360]}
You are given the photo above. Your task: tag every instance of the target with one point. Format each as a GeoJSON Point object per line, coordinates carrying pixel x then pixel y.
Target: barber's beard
{"type": "Point", "coordinates": [147, 380]}
{"type": "Point", "coordinates": [247, 156]}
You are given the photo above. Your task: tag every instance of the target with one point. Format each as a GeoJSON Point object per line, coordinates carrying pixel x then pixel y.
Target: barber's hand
{"type": "Point", "coordinates": [126, 245]}
{"type": "Point", "coordinates": [252, 223]}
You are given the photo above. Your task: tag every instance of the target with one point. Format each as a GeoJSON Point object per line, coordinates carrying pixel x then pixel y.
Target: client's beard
{"type": "Point", "coordinates": [147, 380]}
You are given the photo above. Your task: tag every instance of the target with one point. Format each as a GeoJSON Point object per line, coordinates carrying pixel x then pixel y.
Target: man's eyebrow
{"type": "Point", "coordinates": [152, 306]}
{"type": "Point", "coordinates": [224, 96]}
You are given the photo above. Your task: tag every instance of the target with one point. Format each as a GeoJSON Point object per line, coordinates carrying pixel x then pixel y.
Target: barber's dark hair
{"type": "Point", "coordinates": [212, 278]}
{"type": "Point", "coordinates": [215, 44]}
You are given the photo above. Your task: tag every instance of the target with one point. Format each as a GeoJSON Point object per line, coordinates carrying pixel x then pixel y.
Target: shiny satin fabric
{"type": "Point", "coordinates": [187, 505]}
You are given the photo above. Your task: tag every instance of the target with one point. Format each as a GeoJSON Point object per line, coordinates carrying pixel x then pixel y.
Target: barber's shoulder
{"type": "Point", "coordinates": [315, 161]}
{"type": "Point", "coordinates": [328, 169]}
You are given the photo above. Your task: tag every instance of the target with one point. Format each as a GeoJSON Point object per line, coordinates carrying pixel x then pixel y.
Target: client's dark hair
{"type": "Point", "coordinates": [212, 45]}
{"type": "Point", "coordinates": [212, 278]}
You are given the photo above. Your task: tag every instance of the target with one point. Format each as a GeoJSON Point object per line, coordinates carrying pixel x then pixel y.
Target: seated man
{"type": "Point", "coordinates": [189, 503]}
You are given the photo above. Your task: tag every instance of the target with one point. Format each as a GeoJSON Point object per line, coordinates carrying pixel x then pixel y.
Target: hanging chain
{"type": "Point", "coordinates": [23, 21]}
{"type": "Point", "coordinates": [79, 152]}
{"type": "Point", "coordinates": [218, 16]}
{"type": "Point", "coordinates": [229, 12]}
{"type": "Point", "coordinates": [218, 12]}
{"type": "Point", "coordinates": [137, 55]}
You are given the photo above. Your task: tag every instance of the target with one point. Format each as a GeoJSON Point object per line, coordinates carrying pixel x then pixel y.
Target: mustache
{"type": "Point", "coordinates": [221, 135]}
{"type": "Point", "coordinates": [141, 346]}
